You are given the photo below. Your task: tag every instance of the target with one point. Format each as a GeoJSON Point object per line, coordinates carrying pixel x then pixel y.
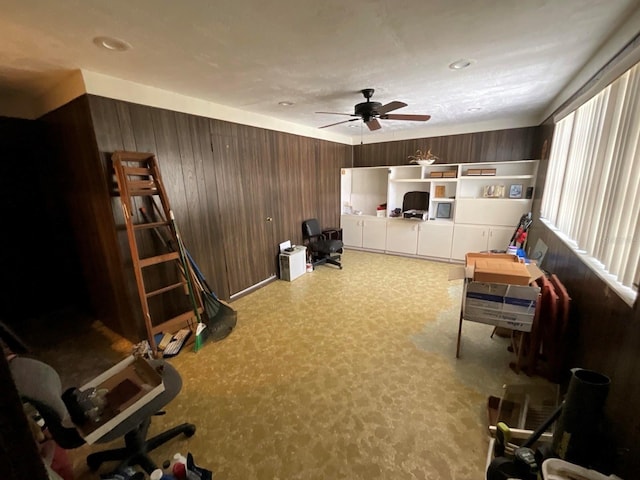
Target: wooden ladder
{"type": "Point", "coordinates": [138, 175]}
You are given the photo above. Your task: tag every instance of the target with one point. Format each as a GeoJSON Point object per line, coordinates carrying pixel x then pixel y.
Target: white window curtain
{"type": "Point", "coordinates": [592, 189]}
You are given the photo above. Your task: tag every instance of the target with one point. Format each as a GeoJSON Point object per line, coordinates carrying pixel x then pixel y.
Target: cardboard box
{"type": "Point", "coordinates": [435, 174]}
{"type": "Point", "coordinates": [449, 174]}
{"type": "Point", "coordinates": [492, 270]}
{"type": "Point", "coordinates": [488, 171]}
{"type": "Point", "coordinates": [143, 385]}
{"type": "Point", "coordinates": [501, 304]}
{"type": "Point", "coordinates": [474, 171]}
{"type": "Point", "coordinates": [509, 306]}
{"type": "Point", "coordinates": [501, 271]}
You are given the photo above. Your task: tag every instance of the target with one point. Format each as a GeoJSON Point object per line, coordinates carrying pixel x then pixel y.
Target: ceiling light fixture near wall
{"type": "Point", "coordinates": [112, 44]}
{"type": "Point", "coordinates": [460, 64]}
{"type": "Point", "coordinates": [286, 104]}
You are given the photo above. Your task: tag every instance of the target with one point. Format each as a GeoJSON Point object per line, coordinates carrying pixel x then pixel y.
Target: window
{"type": "Point", "coordinates": [592, 192]}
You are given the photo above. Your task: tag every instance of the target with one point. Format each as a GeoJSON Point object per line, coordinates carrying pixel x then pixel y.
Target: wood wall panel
{"type": "Point", "coordinates": [37, 239]}
{"type": "Point", "coordinates": [603, 336]}
{"type": "Point", "coordinates": [87, 198]}
{"type": "Point", "coordinates": [493, 146]}
{"type": "Point", "coordinates": [333, 157]}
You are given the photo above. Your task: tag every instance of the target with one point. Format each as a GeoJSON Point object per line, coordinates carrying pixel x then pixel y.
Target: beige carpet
{"type": "Point", "coordinates": [341, 374]}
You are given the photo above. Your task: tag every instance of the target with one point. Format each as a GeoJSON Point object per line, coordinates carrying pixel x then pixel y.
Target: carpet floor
{"type": "Point", "coordinates": [341, 374]}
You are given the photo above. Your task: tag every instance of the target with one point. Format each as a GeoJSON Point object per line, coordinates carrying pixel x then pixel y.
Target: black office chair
{"type": "Point", "coordinates": [39, 384]}
{"type": "Point", "coordinates": [322, 249]}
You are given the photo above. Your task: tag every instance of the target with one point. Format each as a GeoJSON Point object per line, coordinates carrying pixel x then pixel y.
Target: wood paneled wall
{"type": "Point", "coordinates": [494, 146]}
{"type": "Point", "coordinates": [85, 187]}
{"type": "Point", "coordinates": [39, 260]}
{"type": "Point", "coordinates": [237, 191]}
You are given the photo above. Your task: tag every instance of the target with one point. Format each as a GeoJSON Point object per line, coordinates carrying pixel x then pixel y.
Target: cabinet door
{"type": "Point", "coordinates": [499, 237]}
{"type": "Point", "coordinates": [351, 231]}
{"type": "Point", "coordinates": [402, 236]}
{"type": "Point", "coordinates": [434, 240]}
{"type": "Point", "coordinates": [468, 238]}
{"type": "Point", "coordinates": [374, 233]}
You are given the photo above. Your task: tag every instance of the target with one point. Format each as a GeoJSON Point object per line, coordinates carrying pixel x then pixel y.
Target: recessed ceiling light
{"type": "Point", "coordinates": [474, 109]}
{"type": "Point", "coordinates": [286, 104]}
{"type": "Point", "coordinates": [460, 64]}
{"type": "Point", "coordinates": [355, 125]}
{"type": "Point", "coordinates": [113, 44]}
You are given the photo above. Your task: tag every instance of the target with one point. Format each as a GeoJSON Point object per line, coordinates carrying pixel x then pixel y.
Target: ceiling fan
{"type": "Point", "coordinates": [369, 112]}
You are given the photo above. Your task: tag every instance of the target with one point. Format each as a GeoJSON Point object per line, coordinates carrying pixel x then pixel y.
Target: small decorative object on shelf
{"type": "Point", "coordinates": [493, 191]}
{"type": "Point", "coordinates": [426, 158]}
{"type": "Point", "coordinates": [443, 210]}
{"type": "Point", "coordinates": [515, 191]}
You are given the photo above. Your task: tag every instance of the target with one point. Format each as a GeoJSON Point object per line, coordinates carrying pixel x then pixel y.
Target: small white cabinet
{"type": "Point", "coordinates": [364, 232]}
{"type": "Point", "coordinates": [479, 238]}
{"type": "Point", "coordinates": [435, 239]}
{"type": "Point", "coordinates": [402, 236]}
{"type": "Point", "coordinates": [428, 239]}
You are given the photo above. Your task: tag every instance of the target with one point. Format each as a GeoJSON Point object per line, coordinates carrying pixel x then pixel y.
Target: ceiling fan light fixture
{"type": "Point", "coordinates": [112, 44]}
{"type": "Point", "coordinates": [460, 64]}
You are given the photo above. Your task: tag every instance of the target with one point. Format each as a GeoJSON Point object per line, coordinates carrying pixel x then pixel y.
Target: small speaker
{"type": "Point", "coordinates": [529, 193]}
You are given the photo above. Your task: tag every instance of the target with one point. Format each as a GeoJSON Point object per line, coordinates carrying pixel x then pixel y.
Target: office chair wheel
{"type": "Point", "coordinates": [190, 431]}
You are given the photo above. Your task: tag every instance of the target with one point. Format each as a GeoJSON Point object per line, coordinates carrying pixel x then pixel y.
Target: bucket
{"type": "Point", "coordinates": [575, 438]}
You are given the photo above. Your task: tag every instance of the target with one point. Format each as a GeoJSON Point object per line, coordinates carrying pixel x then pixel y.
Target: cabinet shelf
{"type": "Point", "coordinates": [409, 180]}
{"type": "Point", "coordinates": [443, 199]}
{"type": "Point", "coordinates": [496, 199]}
{"type": "Point", "coordinates": [495, 177]}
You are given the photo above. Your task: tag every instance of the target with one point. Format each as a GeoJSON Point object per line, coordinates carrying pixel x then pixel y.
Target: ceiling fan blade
{"type": "Point", "coordinates": [336, 113]}
{"type": "Point", "coordinates": [415, 118]}
{"type": "Point", "coordinates": [338, 123]}
{"type": "Point", "coordinates": [373, 124]}
{"type": "Point", "coordinates": [390, 106]}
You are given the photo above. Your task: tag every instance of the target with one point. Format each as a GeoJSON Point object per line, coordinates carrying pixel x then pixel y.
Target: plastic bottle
{"type": "Point", "coordinates": [179, 466]}
{"type": "Point", "coordinates": [158, 474]}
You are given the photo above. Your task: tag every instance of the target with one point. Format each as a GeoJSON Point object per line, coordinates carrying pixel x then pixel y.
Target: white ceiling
{"type": "Point", "coordinates": [252, 54]}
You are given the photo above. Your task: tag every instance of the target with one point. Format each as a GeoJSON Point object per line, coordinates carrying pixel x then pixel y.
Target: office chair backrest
{"type": "Point", "coordinates": [311, 228]}
{"type": "Point", "coordinates": [39, 384]}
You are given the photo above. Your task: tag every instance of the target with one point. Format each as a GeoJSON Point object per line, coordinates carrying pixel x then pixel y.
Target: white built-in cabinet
{"type": "Point", "coordinates": [364, 232]}
{"type": "Point", "coordinates": [472, 207]}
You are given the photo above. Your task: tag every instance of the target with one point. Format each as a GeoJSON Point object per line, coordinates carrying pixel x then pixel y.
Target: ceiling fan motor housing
{"type": "Point", "coordinates": [367, 110]}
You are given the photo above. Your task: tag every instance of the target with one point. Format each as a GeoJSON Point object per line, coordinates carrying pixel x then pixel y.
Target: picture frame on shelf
{"type": "Point", "coordinates": [443, 210]}
{"type": "Point", "coordinates": [515, 190]}
{"type": "Point", "coordinates": [493, 191]}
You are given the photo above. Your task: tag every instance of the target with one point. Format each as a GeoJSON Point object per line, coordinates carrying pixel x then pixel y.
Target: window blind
{"type": "Point", "coordinates": [592, 189]}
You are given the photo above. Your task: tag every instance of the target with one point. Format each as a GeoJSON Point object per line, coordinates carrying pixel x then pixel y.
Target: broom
{"type": "Point", "coordinates": [187, 276]}
{"type": "Point", "coordinates": [222, 318]}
